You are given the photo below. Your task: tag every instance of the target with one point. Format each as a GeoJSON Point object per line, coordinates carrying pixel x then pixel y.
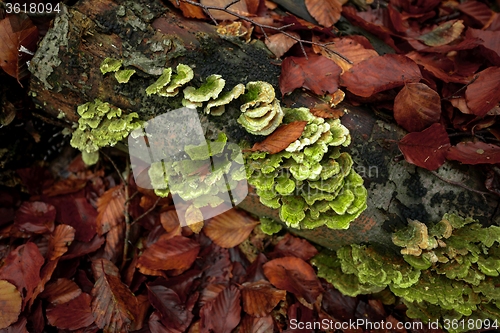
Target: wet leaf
{"type": "Point", "coordinates": [16, 31]}
{"type": "Point", "coordinates": [279, 44]}
{"type": "Point", "coordinates": [113, 304]}
{"type": "Point", "coordinates": [176, 253]}
{"type": "Point", "coordinates": [416, 107]}
{"type": "Point", "coordinates": [294, 275]}
{"type": "Point", "coordinates": [35, 216]}
{"type": "Point", "coordinates": [72, 315]}
{"type": "Point", "coordinates": [380, 73]}
{"type": "Point", "coordinates": [226, 305]}
{"type": "Point", "coordinates": [317, 73]}
{"type": "Point", "coordinates": [10, 303]}
{"type": "Point", "coordinates": [230, 228]}
{"type": "Point", "coordinates": [281, 138]}
{"type": "Point", "coordinates": [426, 149]}
{"type": "Point", "coordinates": [110, 207]}
{"type": "Point", "coordinates": [482, 94]}
{"type": "Point", "coordinates": [22, 268]}
{"type": "Point", "coordinates": [291, 246]}
{"type": "Point", "coordinates": [474, 153]}
{"type": "Point", "coordinates": [326, 12]}
{"type": "Point", "coordinates": [260, 298]}
{"type": "Point", "coordinates": [444, 34]}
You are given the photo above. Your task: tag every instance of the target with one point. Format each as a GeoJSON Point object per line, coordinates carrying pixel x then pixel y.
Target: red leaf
{"type": "Point", "coordinates": [294, 275]}
{"type": "Point", "coordinates": [490, 43]}
{"type": "Point", "coordinates": [474, 153]}
{"type": "Point", "coordinates": [251, 324]}
{"type": "Point", "coordinates": [482, 95]}
{"type": "Point", "coordinates": [16, 31]}
{"type": "Point", "coordinates": [110, 207]}
{"type": "Point", "coordinates": [416, 107]}
{"type": "Point", "coordinates": [78, 213]}
{"type": "Point", "coordinates": [188, 10]}
{"type": "Point", "coordinates": [65, 186]}
{"type": "Point", "coordinates": [279, 44]}
{"type": "Point", "coordinates": [230, 228]}
{"type": "Point", "coordinates": [426, 149]}
{"type": "Point", "coordinates": [380, 73]}
{"type": "Point", "coordinates": [71, 315]}
{"type": "Point", "coordinates": [175, 253]}
{"type": "Point", "coordinates": [222, 314]}
{"type": "Point", "coordinates": [36, 216]}
{"type": "Point", "coordinates": [291, 246]}
{"type": "Point", "coordinates": [326, 12]}
{"type": "Point", "coordinates": [59, 241]}
{"type": "Point", "coordinates": [174, 314]}
{"type": "Point", "coordinates": [22, 268]}
{"type": "Point", "coordinates": [281, 138]}
{"type": "Point", "coordinates": [317, 73]}
{"type": "Point", "coordinates": [260, 298]}
{"type": "Point", "coordinates": [477, 10]}
{"type": "Point", "coordinates": [61, 291]}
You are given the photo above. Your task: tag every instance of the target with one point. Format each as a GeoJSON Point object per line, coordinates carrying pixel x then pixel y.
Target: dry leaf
{"type": "Point", "coordinates": [326, 12]}
{"type": "Point", "coordinates": [188, 10]}
{"type": "Point", "coordinates": [194, 219]}
{"type": "Point", "coordinates": [325, 111]}
{"type": "Point", "coordinates": [10, 303]}
{"type": "Point", "coordinates": [279, 44]}
{"type": "Point", "coordinates": [222, 314]}
{"type": "Point", "coordinates": [444, 34]}
{"type": "Point", "coordinates": [260, 298]}
{"type": "Point", "coordinates": [281, 138]}
{"type": "Point", "coordinates": [110, 207]}
{"type": "Point", "coordinates": [482, 95]}
{"type": "Point", "coordinates": [474, 153]}
{"type": "Point", "coordinates": [72, 315]}
{"type": "Point", "coordinates": [230, 228]}
{"type": "Point", "coordinates": [61, 291]}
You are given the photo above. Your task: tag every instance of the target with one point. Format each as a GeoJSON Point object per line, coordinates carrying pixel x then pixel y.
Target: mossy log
{"type": "Point", "coordinates": [149, 37]}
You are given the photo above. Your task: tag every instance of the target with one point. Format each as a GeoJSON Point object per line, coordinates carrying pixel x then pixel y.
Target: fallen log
{"type": "Point", "coordinates": [150, 37]}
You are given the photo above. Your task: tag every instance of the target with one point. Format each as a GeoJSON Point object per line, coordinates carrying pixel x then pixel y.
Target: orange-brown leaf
{"type": "Point", "coordinates": [60, 239]}
{"type": "Point", "coordinates": [10, 303]}
{"type": "Point", "coordinates": [176, 253]}
{"type": "Point", "coordinates": [260, 298]}
{"type": "Point", "coordinates": [294, 275]}
{"type": "Point", "coordinates": [416, 107]}
{"type": "Point", "coordinates": [188, 10]}
{"type": "Point", "coordinates": [475, 153]}
{"type": "Point", "coordinates": [61, 291]}
{"type": "Point", "coordinates": [230, 228]}
{"type": "Point", "coordinates": [72, 315]}
{"type": "Point", "coordinates": [324, 110]}
{"type": "Point", "coordinates": [482, 95]}
{"type": "Point", "coordinates": [279, 44]}
{"type": "Point", "coordinates": [281, 138]}
{"type": "Point", "coordinates": [110, 207]}
{"type": "Point", "coordinates": [326, 12]}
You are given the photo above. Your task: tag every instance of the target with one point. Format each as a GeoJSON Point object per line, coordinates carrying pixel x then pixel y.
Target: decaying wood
{"type": "Point", "coordinates": [150, 37]}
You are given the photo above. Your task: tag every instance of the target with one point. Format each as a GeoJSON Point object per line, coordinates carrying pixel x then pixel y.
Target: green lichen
{"type": "Point", "coordinates": [269, 226]}
{"type": "Point", "coordinates": [449, 270]}
{"type": "Point", "coordinates": [110, 65]}
{"type": "Point", "coordinates": [311, 181]}
{"type": "Point", "coordinates": [101, 125]}
{"type": "Point", "coordinates": [124, 75]}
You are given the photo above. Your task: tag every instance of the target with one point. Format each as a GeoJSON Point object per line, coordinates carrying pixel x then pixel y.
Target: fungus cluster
{"type": "Point", "coordinates": [311, 181]}
{"type": "Point", "coordinates": [100, 125]}
{"type": "Point", "coordinates": [208, 171]}
{"type": "Point", "coordinates": [448, 270]}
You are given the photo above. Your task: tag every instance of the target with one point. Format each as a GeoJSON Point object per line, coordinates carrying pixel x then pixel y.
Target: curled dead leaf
{"type": "Point", "coordinates": [281, 138]}
{"type": "Point", "coordinates": [230, 228]}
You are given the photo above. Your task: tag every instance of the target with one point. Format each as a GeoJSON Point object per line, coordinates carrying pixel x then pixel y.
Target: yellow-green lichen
{"type": "Point", "coordinates": [124, 75]}
{"type": "Point", "coordinates": [210, 89]}
{"type": "Point", "coordinates": [449, 270]}
{"type": "Point", "coordinates": [101, 125]}
{"type": "Point", "coordinates": [110, 65]}
{"type": "Point", "coordinates": [216, 107]}
{"type": "Point", "coordinates": [183, 75]}
{"type": "Point", "coordinates": [161, 82]}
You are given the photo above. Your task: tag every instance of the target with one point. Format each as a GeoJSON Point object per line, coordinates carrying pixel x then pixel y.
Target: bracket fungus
{"type": "Point", "coordinates": [449, 270]}
{"type": "Point", "coordinates": [100, 125]}
{"type": "Point", "coordinates": [110, 65]}
{"type": "Point", "coordinates": [311, 182]}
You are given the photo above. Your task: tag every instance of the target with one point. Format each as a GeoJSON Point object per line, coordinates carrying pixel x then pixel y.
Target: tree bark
{"type": "Point", "coordinates": [150, 37]}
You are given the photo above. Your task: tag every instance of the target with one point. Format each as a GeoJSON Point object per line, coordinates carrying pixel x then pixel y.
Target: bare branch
{"type": "Point", "coordinates": [207, 8]}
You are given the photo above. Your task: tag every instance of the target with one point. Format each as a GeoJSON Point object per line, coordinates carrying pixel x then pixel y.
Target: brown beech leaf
{"type": "Point", "coordinates": [16, 31]}
{"type": "Point", "coordinates": [489, 43]}
{"type": "Point", "coordinates": [416, 107]}
{"type": "Point", "coordinates": [281, 138]}
{"type": "Point", "coordinates": [474, 153]}
{"type": "Point", "coordinates": [223, 313]}
{"type": "Point", "coordinates": [230, 228]}
{"type": "Point", "coordinates": [61, 291]}
{"type": "Point", "coordinates": [72, 315]}
{"type": "Point", "coordinates": [78, 213]}
{"type": "Point", "coordinates": [251, 324]}
{"type": "Point", "coordinates": [326, 12]}
{"type": "Point", "coordinates": [291, 246]}
{"type": "Point", "coordinates": [294, 275]}
{"type": "Point", "coordinates": [113, 305]}
{"type": "Point", "coordinates": [188, 10]}
{"type": "Point", "coordinates": [110, 207]}
{"type": "Point", "coordinates": [426, 149]}
{"type": "Point", "coordinates": [324, 110]}
{"type": "Point", "coordinates": [260, 298]}
{"type": "Point", "coordinates": [239, 7]}
{"type": "Point", "coordinates": [347, 47]}
{"type": "Point", "coordinates": [175, 253]}
{"type": "Point", "coordinates": [35, 216]}
{"type": "Point", "coordinates": [65, 186]}
{"type": "Point", "coordinates": [59, 241]}
{"type": "Point", "coordinates": [10, 303]}
{"type": "Point", "coordinates": [477, 10]}
{"type": "Point", "coordinates": [279, 44]}
{"type": "Point", "coordinates": [317, 73]}
{"type": "Point", "coordinates": [444, 34]}
{"type": "Point", "coordinates": [174, 314]}
{"type": "Point", "coordinates": [482, 95]}
{"type": "Point", "coordinates": [380, 73]}
{"type": "Point", "coordinates": [22, 268]}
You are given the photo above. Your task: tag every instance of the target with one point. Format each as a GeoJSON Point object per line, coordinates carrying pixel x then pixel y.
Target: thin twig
{"type": "Point", "coordinates": [455, 94]}
{"type": "Point", "coordinates": [146, 212]}
{"type": "Point", "coordinates": [461, 185]}
{"type": "Point", "coordinates": [116, 169]}
{"type": "Point", "coordinates": [127, 219]}
{"type": "Point", "coordinates": [206, 9]}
